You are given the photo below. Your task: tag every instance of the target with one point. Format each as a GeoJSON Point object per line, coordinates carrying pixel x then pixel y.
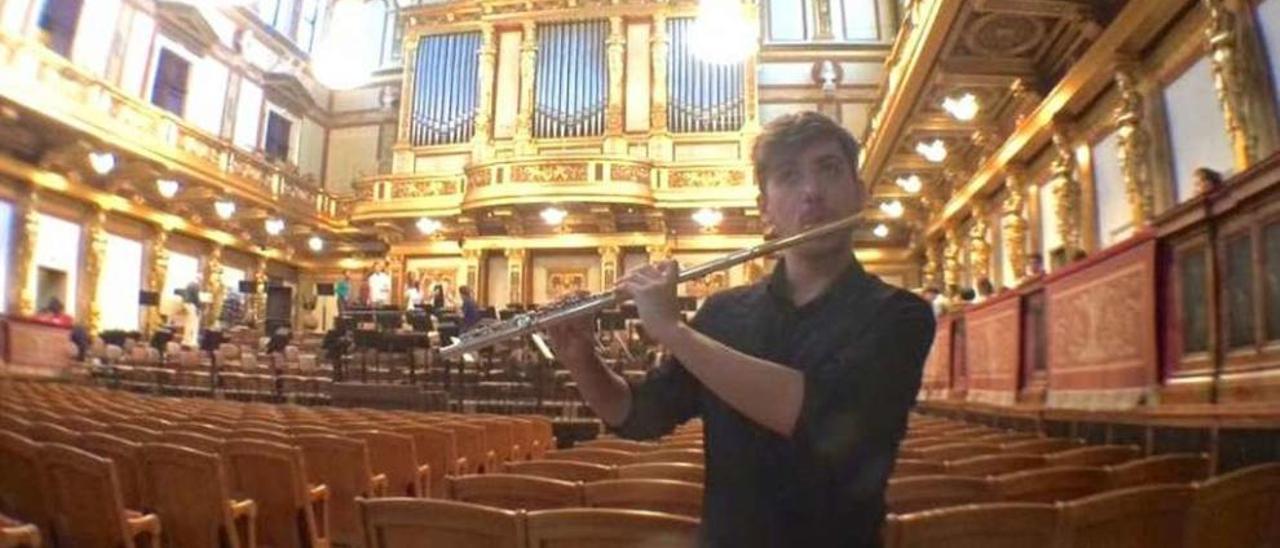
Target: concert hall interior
{"type": "Point", "coordinates": [235, 236]}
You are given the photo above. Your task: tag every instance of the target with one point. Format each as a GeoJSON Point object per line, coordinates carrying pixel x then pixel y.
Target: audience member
{"type": "Point", "coordinates": [1035, 265]}
{"type": "Point", "coordinates": [53, 313]}
{"type": "Point", "coordinates": [470, 310]}
{"type": "Point", "coordinates": [379, 285]}
{"type": "Point", "coordinates": [1206, 181]}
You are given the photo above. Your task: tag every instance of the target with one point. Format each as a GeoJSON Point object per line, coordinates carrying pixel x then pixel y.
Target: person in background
{"type": "Point", "coordinates": [412, 291]}
{"type": "Point", "coordinates": [1035, 265]}
{"type": "Point", "coordinates": [54, 314]}
{"type": "Point", "coordinates": [968, 295]}
{"type": "Point", "coordinates": [191, 315]}
{"type": "Point", "coordinates": [1206, 181]}
{"type": "Point", "coordinates": [437, 298]}
{"type": "Point", "coordinates": [933, 296]}
{"type": "Point", "coordinates": [379, 285]}
{"type": "Point", "coordinates": [985, 290]}
{"type": "Point", "coordinates": [342, 290]}
{"type": "Point", "coordinates": [470, 310]}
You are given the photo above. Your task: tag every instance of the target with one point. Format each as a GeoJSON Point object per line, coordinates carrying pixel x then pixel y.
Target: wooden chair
{"type": "Point", "coordinates": [567, 470]}
{"type": "Point", "coordinates": [615, 528]}
{"type": "Point", "coordinates": [544, 438]}
{"type": "Point", "coordinates": [421, 523]}
{"type": "Point", "coordinates": [1240, 508]}
{"type": "Point", "coordinates": [136, 434]}
{"type": "Point", "coordinates": [993, 525]}
{"type": "Point", "coordinates": [13, 423]}
{"type": "Point", "coordinates": [1040, 446]}
{"type": "Point", "coordinates": [437, 449]}
{"type": "Point", "coordinates": [342, 464]}
{"type": "Point", "coordinates": [48, 432]}
{"type": "Point", "coordinates": [522, 431]}
{"type": "Point", "coordinates": [515, 492]}
{"type": "Point", "coordinates": [1003, 437]}
{"type": "Point", "coordinates": [955, 451]}
{"type": "Point", "coordinates": [85, 502]}
{"type": "Point", "coordinates": [1095, 455]}
{"type": "Point", "coordinates": [611, 457]}
{"type": "Point", "coordinates": [658, 495]}
{"type": "Point", "coordinates": [907, 495]}
{"type": "Point", "coordinates": [290, 514]}
{"type": "Point", "coordinates": [1171, 468]}
{"type": "Point", "coordinates": [83, 425]}
{"type": "Point", "coordinates": [630, 446]}
{"type": "Point", "coordinates": [192, 440]}
{"type": "Point", "coordinates": [188, 489]}
{"type": "Point", "coordinates": [681, 444]}
{"type": "Point", "coordinates": [395, 456]}
{"type": "Point", "coordinates": [23, 495]}
{"type": "Point", "coordinates": [909, 468]}
{"type": "Point", "coordinates": [1052, 484]}
{"type": "Point", "coordinates": [274, 436]}
{"type": "Point", "coordinates": [500, 438]}
{"type": "Point", "coordinates": [127, 458]}
{"type": "Point", "coordinates": [991, 465]}
{"type": "Point", "coordinates": [688, 456]}
{"type": "Point", "coordinates": [471, 445]}
{"type": "Point", "coordinates": [205, 429]}
{"type": "Point", "coordinates": [16, 534]}
{"type": "Point", "coordinates": [1152, 516]}
{"type": "Point", "coordinates": [678, 471]}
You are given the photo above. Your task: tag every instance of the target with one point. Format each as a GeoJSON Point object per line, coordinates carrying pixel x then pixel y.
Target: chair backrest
{"type": "Point", "coordinates": [471, 443]}
{"type": "Point", "coordinates": [598, 527]}
{"type": "Point", "coordinates": [84, 496]}
{"type": "Point", "coordinates": [431, 523]}
{"type": "Point", "coordinates": [568, 470]}
{"type": "Point", "coordinates": [435, 447]}
{"type": "Point", "coordinates": [394, 455]}
{"type": "Point", "coordinates": [679, 471]}
{"type": "Point", "coordinates": [955, 451]}
{"type": "Point", "coordinates": [658, 495]}
{"type": "Point", "coordinates": [990, 465]}
{"type": "Point", "coordinates": [991, 525]}
{"type": "Point", "coordinates": [23, 494]}
{"type": "Point", "coordinates": [127, 457]}
{"type": "Point", "coordinates": [500, 437]}
{"type": "Point", "coordinates": [515, 492]}
{"type": "Point", "coordinates": [13, 423]}
{"type": "Point", "coordinates": [612, 457]}
{"type": "Point", "coordinates": [543, 435]}
{"type": "Point", "coordinates": [48, 432]}
{"type": "Point", "coordinates": [77, 423]}
{"type": "Point", "coordinates": [916, 494]}
{"type": "Point", "coordinates": [274, 436]}
{"type": "Point", "coordinates": [343, 465]}
{"type": "Point", "coordinates": [630, 446]}
{"type": "Point", "coordinates": [1094, 455]}
{"type": "Point", "coordinates": [523, 436]}
{"type": "Point", "coordinates": [271, 474]}
{"type": "Point", "coordinates": [907, 468]}
{"type": "Point", "coordinates": [1152, 516]}
{"type": "Point", "coordinates": [1051, 484]}
{"type": "Point", "coordinates": [187, 488]}
{"type": "Point", "coordinates": [688, 456]}
{"type": "Point", "coordinates": [1240, 508]}
{"type": "Point", "coordinates": [136, 434]}
{"type": "Point", "coordinates": [204, 428]}
{"type": "Point", "coordinates": [199, 442]}
{"type": "Point", "coordinates": [1040, 446]}
{"type": "Point", "coordinates": [1171, 468]}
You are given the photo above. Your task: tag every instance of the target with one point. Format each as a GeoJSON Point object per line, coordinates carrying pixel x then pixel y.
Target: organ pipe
{"type": "Point", "coordinates": [445, 88]}
{"type": "Point", "coordinates": [700, 96]}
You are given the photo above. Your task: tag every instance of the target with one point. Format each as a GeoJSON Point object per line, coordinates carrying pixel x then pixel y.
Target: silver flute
{"type": "Point", "coordinates": [530, 322]}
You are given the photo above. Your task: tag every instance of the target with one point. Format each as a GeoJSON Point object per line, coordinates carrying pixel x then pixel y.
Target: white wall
{"type": "Point", "coordinates": [183, 269]}
{"type": "Point", "coordinates": [1114, 218]}
{"type": "Point", "coordinates": [231, 278]}
{"type": "Point", "coordinates": [13, 15]}
{"type": "Point", "coordinates": [248, 115]}
{"type": "Point", "coordinates": [6, 241]}
{"type": "Point", "coordinates": [137, 53]}
{"type": "Point", "coordinates": [119, 283]}
{"type": "Point", "coordinates": [786, 20]}
{"type": "Point", "coordinates": [207, 94]}
{"type": "Point", "coordinates": [353, 152]}
{"type": "Point", "coordinates": [1269, 26]}
{"type": "Point", "coordinates": [58, 248]}
{"type": "Point", "coordinates": [94, 34]}
{"type": "Point", "coordinates": [498, 285]}
{"type": "Point", "coordinates": [311, 149]}
{"type": "Point", "coordinates": [1197, 133]}
{"type": "Point", "coordinates": [1050, 239]}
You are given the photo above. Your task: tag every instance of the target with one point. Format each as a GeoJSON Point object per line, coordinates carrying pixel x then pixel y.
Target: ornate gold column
{"type": "Point", "coordinates": [158, 254]}
{"type": "Point", "coordinates": [26, 229]}
{"type": "Point", "coordinates": [951, 261]}
{"type": "Point", "coordinates": [1066, 188]}
{"type": "Point", "coordinates": [406, 90]}
{"type": "Point", "coordinates": [396, 269]}
{"type": "Point", "coordinates": [609, 266]}
{"type": "Point", "coordinates": [528, 64]}
{"type": "Point", "coordinates": [979, 247]}
{"type": "Point", "coordinates": [95, 256]}
{"type": "Point", "coordinates": [659, 137]}
{"type": "Point", "coordinates": [1015, 224]}
{"type": "Point", "coordinates": [751, 91]}
{"type": "Point", "coordinates": [212, 284]}
{"type": "Point", "coordinates": [471, 263]}
{"type": "Point", "coordinates": [484, 112]}
{"type": "Point", "coordinates": [822, 12]}
{"type": "Point", "coordinates": [1134, 152]}
{"type": "Point", "coordinates": [932, 265]}
{"type": "Point", "coordinates": [617, 92]}
{"type": "Point", "coordinates": [1229, 77]}
{"type": "Point", "coordinates": [515, 275]}
{"type": "Point", "coordinates": [260, 295]}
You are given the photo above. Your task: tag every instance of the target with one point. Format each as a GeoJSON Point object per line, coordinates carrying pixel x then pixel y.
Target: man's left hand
{"type": "Point", "coordinates": [653, 288]}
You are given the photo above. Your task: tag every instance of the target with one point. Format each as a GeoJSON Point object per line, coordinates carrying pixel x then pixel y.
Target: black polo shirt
{"type": "Point", "coordinates": [861, 346]}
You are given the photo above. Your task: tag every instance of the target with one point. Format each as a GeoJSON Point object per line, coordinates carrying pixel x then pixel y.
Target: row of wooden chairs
{"type": "Point", "coordinates": [522, 492]}
{"type": "Point", "coordinates": [571, 470]}
{"type": "Point", "coordinates": [987, 465]}
{"type": "Point", "coordinates": [615, 457]}
{"type": "Point", "coordinates": [1235, 509]}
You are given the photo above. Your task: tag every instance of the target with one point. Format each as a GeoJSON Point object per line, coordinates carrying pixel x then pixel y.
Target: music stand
{"type": "Point", "coordinates": [419, 320]}
{"type": "Point", "coordinates": [210, 340]}
{"type": "Point", "coordinates": [160, 341]}
{"type": "Point", "coordinates": [389, 319]}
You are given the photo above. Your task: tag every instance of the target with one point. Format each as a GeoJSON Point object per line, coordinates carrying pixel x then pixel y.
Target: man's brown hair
{"type": "Point", "coordinates": [786, 136]}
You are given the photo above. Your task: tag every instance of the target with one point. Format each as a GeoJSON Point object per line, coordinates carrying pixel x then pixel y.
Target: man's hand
{"type": "Point", "coordinates": [653, 288]}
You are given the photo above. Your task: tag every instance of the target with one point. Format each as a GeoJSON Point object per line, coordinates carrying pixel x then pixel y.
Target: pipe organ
{"type": "Point", "coordinates": [702, 96]}
{"type": "Point", "coordinates": [445, 89]}
{"type": "Point", "coordinates": [571, 91]}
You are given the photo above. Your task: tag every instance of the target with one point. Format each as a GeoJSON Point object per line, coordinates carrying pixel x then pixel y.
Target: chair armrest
{"type": "Point", "coordinates": [320, 508]}
{"type": "Point", "coordinates": [378, 485]}
{"type": "Point", "coordinates": [149, 524]}
{"type": "Point", "coordinates": [245, 514]}
{"type": "Point", "coordinates": [424, 481]}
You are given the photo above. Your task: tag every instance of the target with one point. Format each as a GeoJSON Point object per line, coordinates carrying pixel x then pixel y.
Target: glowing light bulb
{"type": "Point", "coordinates": [910, 184]}
{"type": "Point", "coordinates": [224, 208]}
{"type": "Point", "coordinates": [893, 209]}
{"type": "Point", "coordinates": [428, 226]}
{"type": "Point", "coordinates": [881, 231]}
{"type": "Point", "coordinates": [102, 162]}
{"type": "Point", "coordinates": [935, 152]}
{"type": "Point", "coordinates": [722, 34]}
{"type": "Point", "coordinates": [708, 217]}
{"type": "Point", "coordinates": [554, 216]}
{"type": "Point", "coordinates": [274, 226]}
{"type": "Point", "coordinates": [316, 243]}
{"type": "Point", "coordinates": [342, 60]}
{"type": "Point", "coordinates": [168, 187]}
{"type": "Point", "coordinates": [963, 108]}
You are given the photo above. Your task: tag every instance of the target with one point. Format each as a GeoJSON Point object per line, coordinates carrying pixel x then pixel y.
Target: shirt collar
{"type": "Point", "coordinates": [778, 287]}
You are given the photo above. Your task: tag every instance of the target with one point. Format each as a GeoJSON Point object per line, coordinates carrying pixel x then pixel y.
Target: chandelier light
{"type": "Point", "coordinates": [344, 57]}
{"type": "Point", "coordinates": [722, 33]}
{"type": "Point", "coordinates": [910, 184]}
{"type": "Point", "coordinates": [428, 226]}
{"type": "Point", "coordinates": [274, 226]}
{"type": "Point", "coordinates": [224, 208]}
{"type": "Point", "coordinates": [168, 187]}
{"type": "Point", "coordinates": [316, 244]}
{"type": "Point", "coordinates": [935, 151]}
{"type": "Point", "coordinates": [102, 162]}
{"type": "Point", "coordinates": [963, 108]}
{"type": "Point", "coordinates": [893, 209]}
{"type": "Point", "coordinates": [708, 218]}
{"type": "Point", "coordinates": [881, 231]}
{"type": "Point", "coordinates": [554, 216]}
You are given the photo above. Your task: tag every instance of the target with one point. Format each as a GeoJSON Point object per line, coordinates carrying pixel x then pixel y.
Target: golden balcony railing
{"type": "Point", "coordinates": [38, 79]}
